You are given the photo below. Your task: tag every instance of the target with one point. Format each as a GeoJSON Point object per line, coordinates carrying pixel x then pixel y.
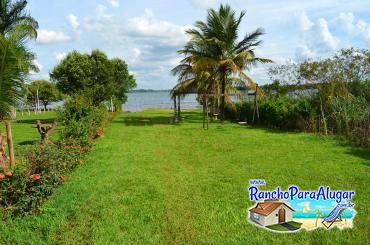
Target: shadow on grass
{"type": "Point", "coordinates": [33, 121]}
{"type": "Point", "coordinates": [358, 151]}
{"type": "Point", "coordinates": [27, 142]}
{"type": "Point", "coordinates": [133, 119]}
{"type": "Point", "coordinates": [145, 121]}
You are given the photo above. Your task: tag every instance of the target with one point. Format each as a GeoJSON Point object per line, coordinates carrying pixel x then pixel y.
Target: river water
{"type": "Point", "coordinates": [138, 101]}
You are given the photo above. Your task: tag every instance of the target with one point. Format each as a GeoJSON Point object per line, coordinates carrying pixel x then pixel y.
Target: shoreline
{"type": "Point", "coordinates": [310, 223]}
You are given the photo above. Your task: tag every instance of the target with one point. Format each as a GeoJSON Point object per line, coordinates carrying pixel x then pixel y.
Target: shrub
{"type": "Point", "coordinates": [81, 120]}
{"type": "Point", "coordinates": [22, 191]}
{"type": "Point", "coordinates": [282, 112]}
{"type": "Point", "coordinates": [351, 117]}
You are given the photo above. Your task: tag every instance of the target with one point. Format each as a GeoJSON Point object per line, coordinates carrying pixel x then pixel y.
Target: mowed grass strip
{"type": "Point", "coordinates": [148, 181]}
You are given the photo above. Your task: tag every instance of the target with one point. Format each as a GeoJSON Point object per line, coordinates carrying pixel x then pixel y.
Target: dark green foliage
{"type": "Point", "coordinates": [81, 120]}
{"type": "Point", "coordinates": [14, 15]}
{"type": "Point", "coordinates": [22, 193]}
{"type": "Point", "coordinates": [282, 112]}
{"type": "Point", "coordinates": [94, 76]}
{"type": "Point", "coordinates": [47, 92]}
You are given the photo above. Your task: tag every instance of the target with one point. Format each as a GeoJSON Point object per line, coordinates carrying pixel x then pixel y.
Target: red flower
{"type": "Point", "coordinates": [61, 178]}
{"type": "Point", "coordinates": [35, 177]}
{"type": "Point", "coordinates": [9, 173]}
{"type": "Point", "coordinates": [2, 176]}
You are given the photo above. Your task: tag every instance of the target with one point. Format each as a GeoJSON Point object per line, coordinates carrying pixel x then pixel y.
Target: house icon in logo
{"type": "Point", "coordinates": [271, 213]}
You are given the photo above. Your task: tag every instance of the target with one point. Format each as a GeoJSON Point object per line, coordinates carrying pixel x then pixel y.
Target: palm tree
{"type": "Point", "coordinates": [319, 214]}
{"type": "Point", "coordinates": [16, 26]}
{"type": "Point", "coordinates": [214, 47]}
{"type": "Point", "coordinates": [13, 15]}
{"type": "Point", "coordinates": [15, 63]}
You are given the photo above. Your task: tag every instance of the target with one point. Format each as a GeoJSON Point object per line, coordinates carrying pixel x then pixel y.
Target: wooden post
{"type": "Point", "coordinates": [207, 110]}
{"type": "Point", "coordinates": [178, 108]}
{"type": "Point", "coordinates": [8, 127]}
{"type": "Point", "coordinates": [3, 157]}
{"type": "Point", "coordinates": [174, 108]}
{"type": "Point", "coordinates": [256, 100]}
{"type": "Point", "coordinates": [204, 112]}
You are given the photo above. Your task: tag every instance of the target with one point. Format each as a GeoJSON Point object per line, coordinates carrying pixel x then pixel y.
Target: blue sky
{"type": "Point", "coordinates": [147, 34]}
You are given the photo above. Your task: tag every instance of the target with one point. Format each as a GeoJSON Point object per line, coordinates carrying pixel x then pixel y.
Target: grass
{"type": "Point", "coordinates": [23, 132]}
{"type": "Point", "coordinates": [148, 181]}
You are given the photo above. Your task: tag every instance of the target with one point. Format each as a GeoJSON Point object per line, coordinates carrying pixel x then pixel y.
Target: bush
{"type": "Point", "coordinates": [81, 120]}
{"type": "Point", "coordinates": [351, 117]}
{"type": "Point", "coordinates": [23, 189]}
{"type": "Point", "coordinates": [282, 112]}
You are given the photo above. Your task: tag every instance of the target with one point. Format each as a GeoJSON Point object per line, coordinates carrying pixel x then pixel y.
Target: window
{"type": "Point", "coordinates": [256, 216]}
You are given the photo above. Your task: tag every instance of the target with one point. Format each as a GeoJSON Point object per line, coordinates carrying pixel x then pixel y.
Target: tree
{"type": "Point", "coordinates": [14, 15]}
{"type": "Point", "coordinates": [47, 92]}
{"type": "Point", "coordinates": [214, 47]}
{"type": "Point", "coordinates": [15, 63]}
{"type": "Point", "coordinates": [94, 76]}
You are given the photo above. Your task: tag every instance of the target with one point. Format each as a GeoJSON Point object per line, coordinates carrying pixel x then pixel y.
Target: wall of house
{"type": "Point", "coordinates": [261, 220]}
{"type": "Point", "coordinates": [273, 218]}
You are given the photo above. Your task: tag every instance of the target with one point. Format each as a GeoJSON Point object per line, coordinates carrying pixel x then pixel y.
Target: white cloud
{"type": "Point", "coordinates": [136, 53]}
{"type": "Point", "coordinates": [60, 56]}
{"type": "Point", "coordinates": [325, 34]}
{"type": "Point", "coordinates": [47, 37]}
{"type": "Point", "coordinates": [114, 3]}
{"type": "Point", "coordinates": [303, 52]}
{"type": "Point", "coordinates": [149, 26]}
{"type": "Point", "coordinates": [316, 39]}
{"type": "Point", "coordinates": [304, 22]}
{"type": "Point", "coordinates": [360, 28]}
{"type": "Point", "coordinates": [345, 20]}
{"type": "Point", "coordinates": [73, 21]}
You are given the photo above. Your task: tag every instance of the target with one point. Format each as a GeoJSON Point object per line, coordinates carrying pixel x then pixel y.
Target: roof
{"type": "Point", "coordinates": [266, 208]}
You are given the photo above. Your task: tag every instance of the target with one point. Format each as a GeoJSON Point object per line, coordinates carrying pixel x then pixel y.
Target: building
{"type": "Point", "coordinates": [271, 213]}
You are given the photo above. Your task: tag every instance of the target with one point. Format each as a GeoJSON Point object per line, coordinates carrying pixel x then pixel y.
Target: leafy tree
{"type": "Point", "coordinates": [94, 76]}
{"type": "Point", "coordinates": [15, 63]}
{"type": "Point", "coordinates": [47, 92]}
{"type": "Point", "coordinates": [214, 48]}
{"type": "Point", "coordinates": [13, 14]}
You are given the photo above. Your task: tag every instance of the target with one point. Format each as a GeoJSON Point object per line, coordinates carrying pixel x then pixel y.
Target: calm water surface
{"type": "Point", "coordinates": [138, 101]}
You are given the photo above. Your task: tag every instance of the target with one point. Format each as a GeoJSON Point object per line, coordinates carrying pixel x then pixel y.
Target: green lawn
{"type": "Point", "coordinates": [23, 132]}
{"type": "Point", "coordinates": [148, 181]}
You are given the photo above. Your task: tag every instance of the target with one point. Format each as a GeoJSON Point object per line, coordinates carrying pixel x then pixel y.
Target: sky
{"type": "Point", "coordinates": [148, 33]}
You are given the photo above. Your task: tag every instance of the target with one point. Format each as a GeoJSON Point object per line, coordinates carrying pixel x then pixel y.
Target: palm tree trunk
{"type": "Point", "coordinates": [204, 111]}
{"type": "Point", "coordinates": [178, 108]}
{"type": "Point", "coordinates": [223, 85]}
{"type": "Point", "coordinates": [174, 110]}
{"type": "Point", "coordinates": [8, 127]}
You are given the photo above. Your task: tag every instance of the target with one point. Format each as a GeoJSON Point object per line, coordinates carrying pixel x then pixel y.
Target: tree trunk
{"type": "Point", "coordinates": [323, 118]}
{"type": "Point", "coordinates": [3, 157]}
{"type": "Point", "coordinates": [223, 85]}
{"type": "Point", "coordinates": [175, 110]}
{"type": "Point", "coordinates": [178, 108]}
{"type": "Point", "coordinates": [204, 111]}
{"type": "Point", "coordinates": [9, 136]}
{"type": "Point", "coordinates": [207, 111]}
{"type": "Point", "coordinates": [256, 103]}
